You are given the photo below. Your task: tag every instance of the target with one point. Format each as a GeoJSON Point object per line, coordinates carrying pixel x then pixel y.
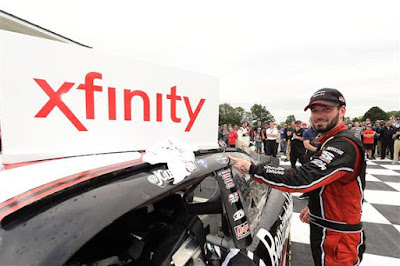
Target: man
{"type": "Point", "coordinates": [243, 137]}
{"type": "Point", "coordinates": [377, 129]}
{"type": "Point", "coordinates": [336, 178]}
{"type": "Point", "coordinates": [264, 138]}
{"type": "Point", "coordinates": [258, 126]}
{"type": "Point", "coordinates": [381, 125]}
{"type": "Point", "coordinates": [310, 144]}
{"type": "Point", "coordinates": [396, 137]}
{"type": "Point", "coordinates": [272, 134]}
{"type": "Point", "coordinates": [288, 137]}
{"type": "Point", "coordinates": [297, 150]}
{"type": "Point", "coordinates": [386, 138]}
{"type": "Point", "coordinates": [368, 140]}
{"type": "Point", "coordinates": [284, 138]}
{"type": "Point", "coordinates": [357, 130]}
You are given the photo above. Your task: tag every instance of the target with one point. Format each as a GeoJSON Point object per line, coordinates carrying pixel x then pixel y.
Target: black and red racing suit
{"type": "Point", "coordinates": [335, 178]}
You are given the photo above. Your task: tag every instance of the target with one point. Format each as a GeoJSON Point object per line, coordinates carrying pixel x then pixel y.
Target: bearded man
{"type": "Point", "coordinates": [335, 180]}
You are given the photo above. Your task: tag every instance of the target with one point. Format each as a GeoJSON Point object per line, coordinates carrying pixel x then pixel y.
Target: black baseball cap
{"type": "Point", "coordinates": [298, 122]}
{"type": "Point", "coordinates": [326, 96]}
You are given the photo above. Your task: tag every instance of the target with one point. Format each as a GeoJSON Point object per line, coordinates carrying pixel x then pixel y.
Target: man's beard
{"type": "Point", "coordinates": [331, 125]}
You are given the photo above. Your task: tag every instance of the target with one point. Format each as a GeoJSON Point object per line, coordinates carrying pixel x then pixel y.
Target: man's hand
{"type": "Point", "coordinates": [304, 215]}
{"type": "Point", "coordinates": [242, 165]}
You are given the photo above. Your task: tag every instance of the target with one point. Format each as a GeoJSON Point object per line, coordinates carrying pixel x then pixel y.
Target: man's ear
{"type": "Point", "coordinates": [342, 112]}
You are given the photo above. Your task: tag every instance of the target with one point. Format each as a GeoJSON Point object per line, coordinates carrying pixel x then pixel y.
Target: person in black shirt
{"type": "Point", "coordinates": [297, 150]}
{"type": "Point", "coordinates": [377, 130]}
{"type": "Point", "coordinates": [396, 137]}
{"type": "Point", "coordinates": [387, 139]}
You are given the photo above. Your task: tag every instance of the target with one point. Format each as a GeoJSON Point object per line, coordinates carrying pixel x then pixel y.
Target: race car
{"type": "Point", "coordinates": [116, 209]}
{"type": "Point", "coordinates": [75, 188]}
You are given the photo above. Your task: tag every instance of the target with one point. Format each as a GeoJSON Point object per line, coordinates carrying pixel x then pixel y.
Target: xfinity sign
{"type": "Point", "coordinates": [89, 88]}
{"type": "Point", "coordinates": [59, 100]}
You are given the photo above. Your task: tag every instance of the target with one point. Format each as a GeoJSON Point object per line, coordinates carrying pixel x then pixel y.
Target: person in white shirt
{"type": "Point", "coordinates": [272, 134]}
{"type": "Point", "coordinates": [243, 139]}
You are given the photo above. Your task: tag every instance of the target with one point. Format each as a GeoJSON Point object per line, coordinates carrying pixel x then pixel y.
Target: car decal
{"type": "Point", "coordinates": [18, 202]}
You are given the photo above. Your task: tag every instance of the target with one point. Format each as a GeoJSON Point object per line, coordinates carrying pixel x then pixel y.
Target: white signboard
{"type": "Point", "coordinates": [60, 100]}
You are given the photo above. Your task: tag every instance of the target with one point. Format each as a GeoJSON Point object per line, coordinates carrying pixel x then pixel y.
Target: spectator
{"type": "Point", "coordinates": [396, 137]}
{"type": "Point", "coordinates": [379, 148]}
{"type": "Point", "coordinates": [258, 126]}
{"type": "Point", "coordinates": [368, 140]}
{"type": "Point", "coordinates": [281, 135]}
{"type": "Point", "coordinates": [387, 139]}
{"type": "Point", "coordinates": [264, 138]}
{"type": "Point", "coordinates": [220, 133]}
{"type": "Point", "coordinates": [310, 143]}
{"type": "Point", "coordinates": [297, 150]}
{"type": "Point", "coordinates": [272, 134]}
{"type": "Point", "coordinates": [225, 133]}
{"type": "Point", "coordinates": [284, 139]}
{"type": "Point", "coordinates": [289, 134]}
{"type": "Point", "coordinates": [251, 133]}
{"type": "Point", "coordinates": [377, 129]}
{"type": "Point", "coordinates": [258, 140]}
{"type": "Point", "coordinates": [232, 137]}
{"type": "Point", "coordinates": [243, 139]}
{"type": "Point", "coordinates": [357, 130]}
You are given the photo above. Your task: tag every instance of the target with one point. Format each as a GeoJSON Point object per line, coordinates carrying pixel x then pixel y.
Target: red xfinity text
{"type": "Point", "coordinates": [89, 88]}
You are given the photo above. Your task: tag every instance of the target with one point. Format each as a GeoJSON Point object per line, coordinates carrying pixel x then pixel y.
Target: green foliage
{"type": "Point", "coordinates": [395, 113]}
{"type": "Point", "coordinates": [230, 115]}
{"type": "Point", "coordinates": [290, 119]}
{"type": "Point", "coordinates": [260, 113]}
{"type": "Point", "coordinates": [348, 120]}
{"type": "Point", "coordinates": [375, 113]}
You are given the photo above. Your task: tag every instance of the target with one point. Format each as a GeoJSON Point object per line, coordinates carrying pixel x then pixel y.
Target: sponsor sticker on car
{"type": "Point", "coordinates": [221, 158]}
{"type": "Point", "coordinates": [161, 178]}
{"type": "Point", "coordinates": [190, 166]}
{"type": "Point", "coordinates": [238, 215]}
{"type": "Point", "coordinates": [242, 230]}
{"type": "Point", "coordinates": [227, 177]}
{"type": "Point", "coordinates": [233, 197]}
{"type": "Point", "coordinates": [202, 162]}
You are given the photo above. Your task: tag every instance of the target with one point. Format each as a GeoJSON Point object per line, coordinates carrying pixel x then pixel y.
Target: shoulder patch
{"type": "Point", "coordinates": [335, 150]}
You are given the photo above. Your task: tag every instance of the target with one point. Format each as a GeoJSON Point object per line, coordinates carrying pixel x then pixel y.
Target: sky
{"type": "Point", "coordinates": [273, 53]}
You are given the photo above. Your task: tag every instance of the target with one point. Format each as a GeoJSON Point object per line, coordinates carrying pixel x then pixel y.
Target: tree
{"type": "Point", "coordinates": [243, 114]}
{"type": "Point", "coordinates": [348, 120]}
{"type": "Point", "coordinates": [375, 113]}
{"type": "Point", "coordinates": [230, 115]}
{"type": "Point", "coordinates": [290, 119]}
{"type": "Point", "coordinates": [260, 113]}
{"type": "Point", "coordinates": [395, 113]}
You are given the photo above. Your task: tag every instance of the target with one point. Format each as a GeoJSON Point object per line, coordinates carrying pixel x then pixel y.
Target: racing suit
{"type": "Point", "coordinates": [335, 178]}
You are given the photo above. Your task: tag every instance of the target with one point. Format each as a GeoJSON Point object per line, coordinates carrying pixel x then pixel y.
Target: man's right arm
{"type": "Point", "coordinates": [336, 161]}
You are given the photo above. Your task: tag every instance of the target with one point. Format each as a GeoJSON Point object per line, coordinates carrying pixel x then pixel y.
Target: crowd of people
{"type": "Point", "coordinates": [381, 138]}
{"type": "Point", "coordinates": [297, 141]}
